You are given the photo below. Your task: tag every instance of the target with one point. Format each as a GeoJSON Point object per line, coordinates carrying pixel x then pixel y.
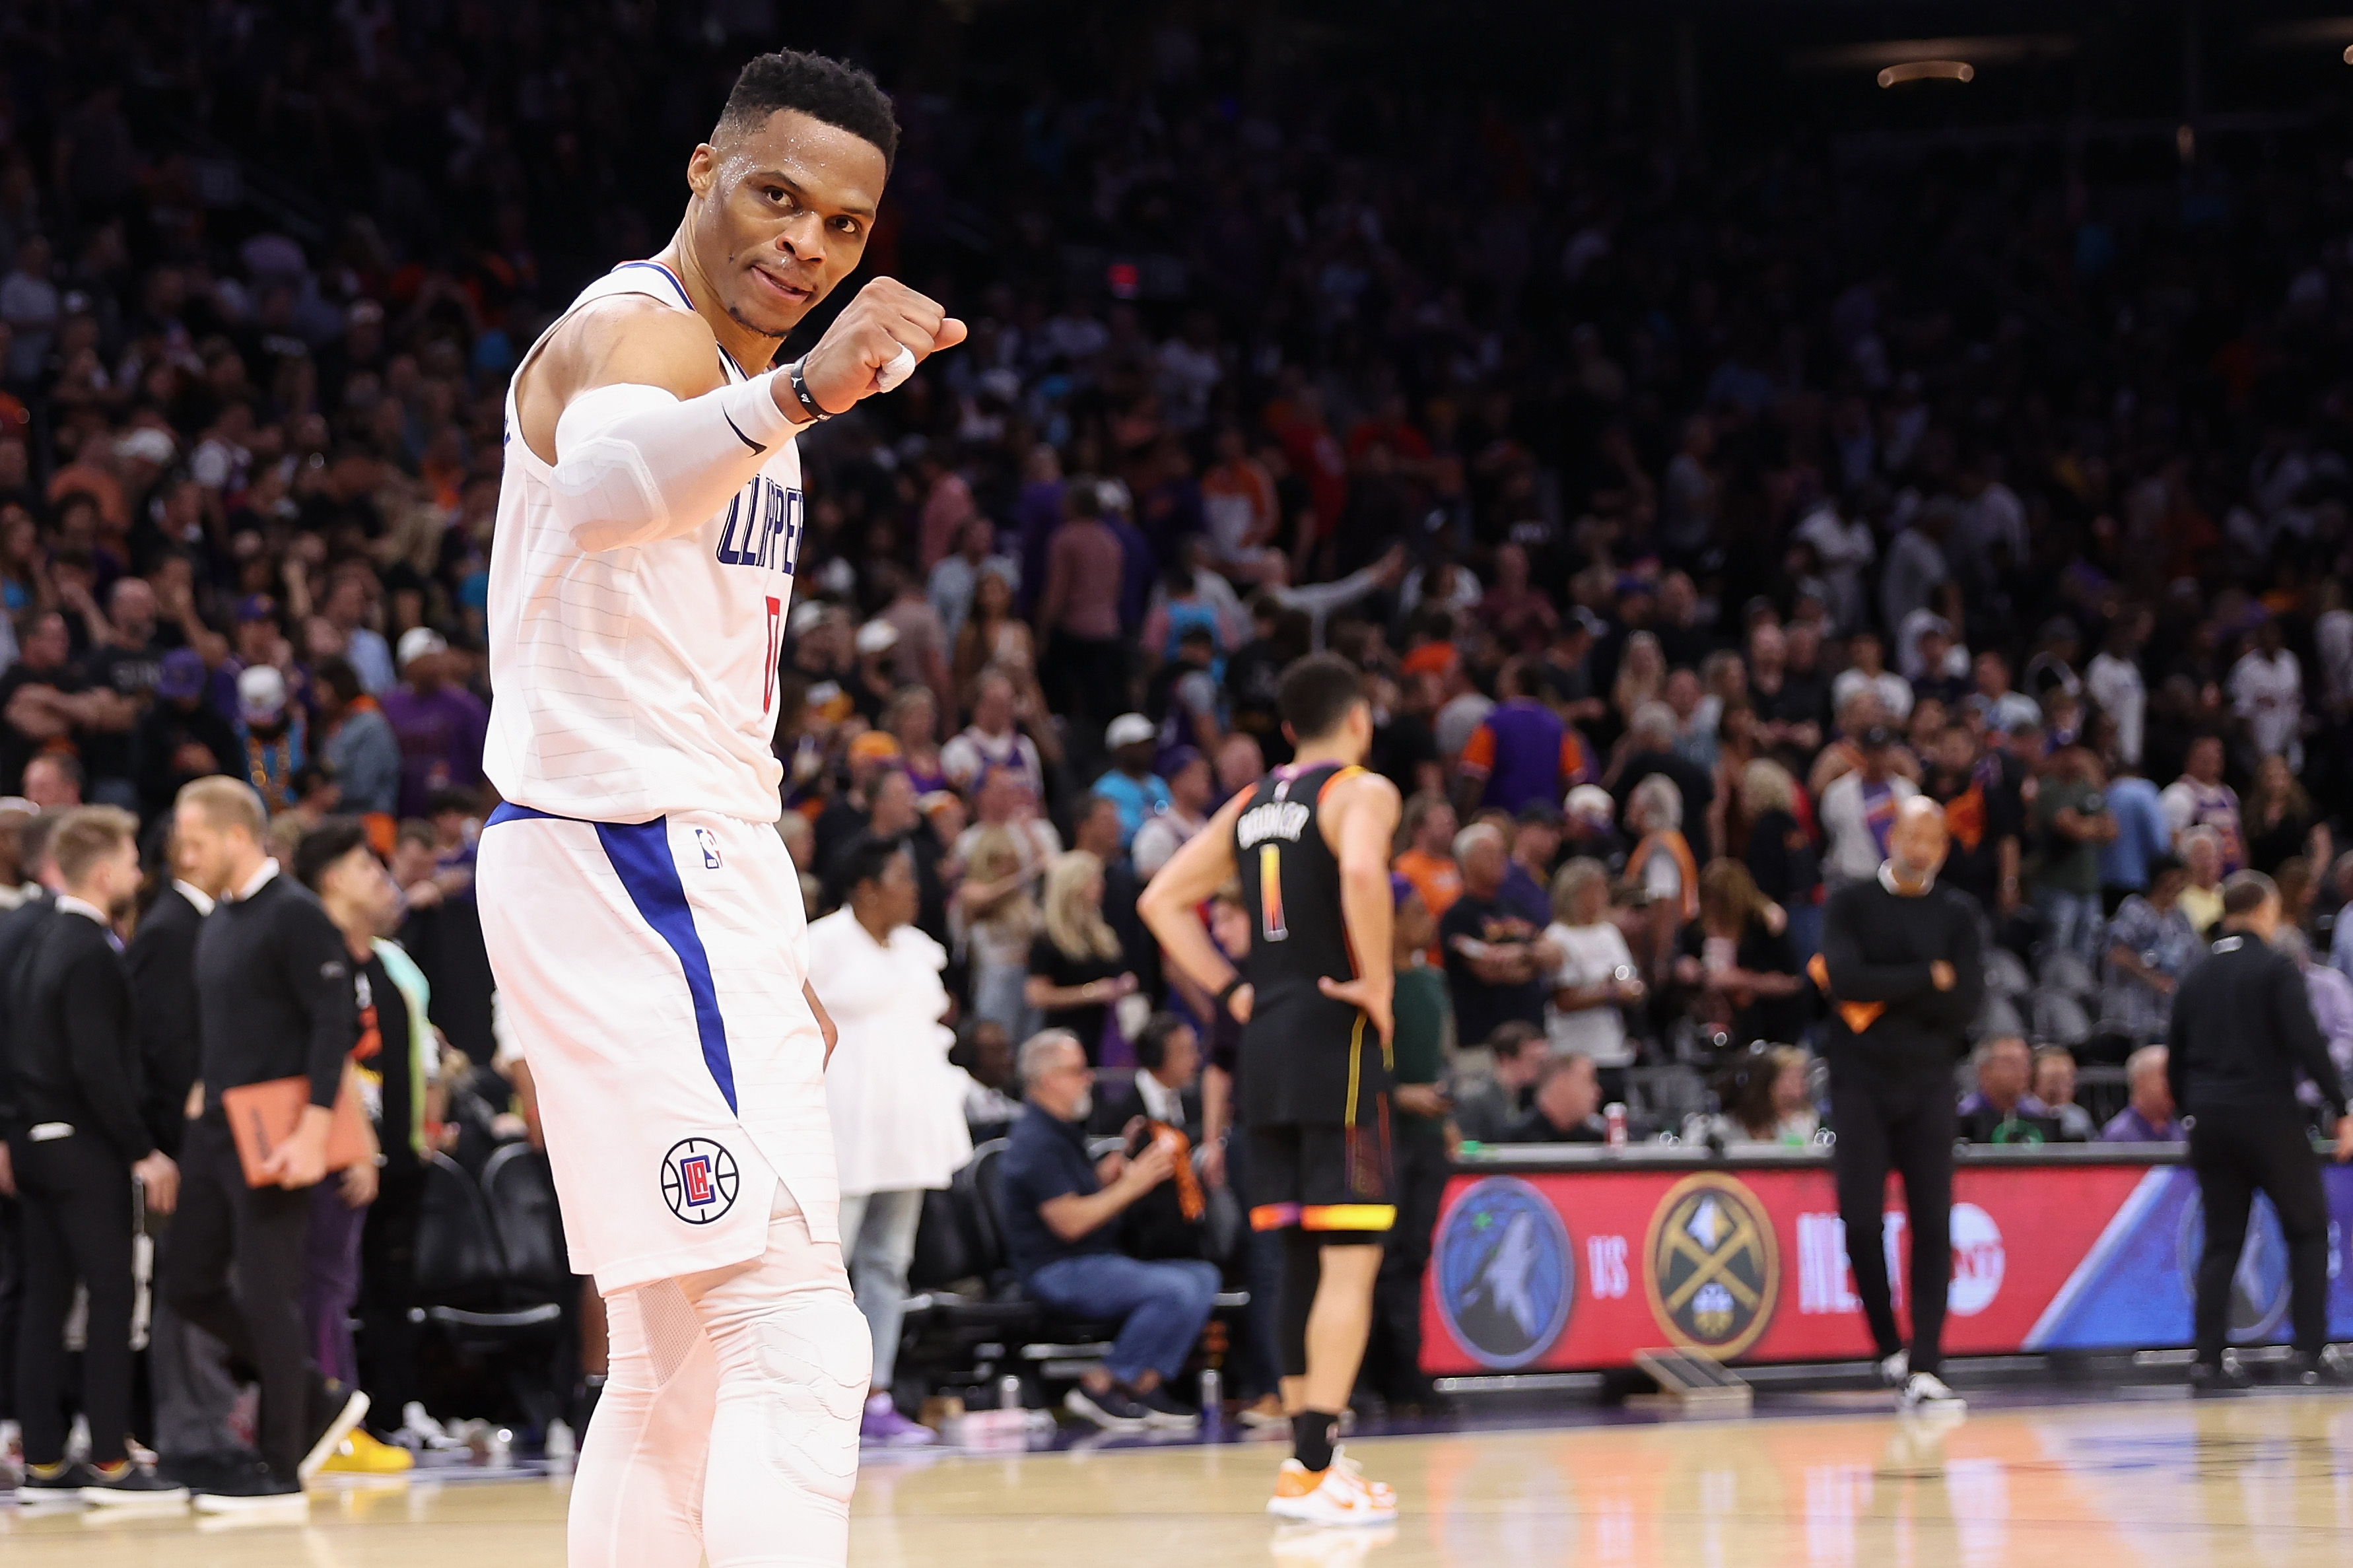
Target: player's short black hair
{"type": "Point", "coordinates": [324, 844]}
{"type": "Point", "coordinates": [1317, 693]}
{"type": "Point", "coordinates": [840, 95]}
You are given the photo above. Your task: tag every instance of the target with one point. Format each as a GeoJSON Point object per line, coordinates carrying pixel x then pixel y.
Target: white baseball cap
{"type": "Point", "coordinates": [1128, 729]}
{"type": "Point", "coordinates": [1591, 803]}
{"type": "Point", "coordinates": [260, 693]}
{"type": "Point", "coordinates": [419, 641]}
{"type": "Point", "coordinates": [877, 637]}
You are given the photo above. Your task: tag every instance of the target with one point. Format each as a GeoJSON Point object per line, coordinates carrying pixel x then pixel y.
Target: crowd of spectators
{"type": "Point", "coordinates": [1684, 516]}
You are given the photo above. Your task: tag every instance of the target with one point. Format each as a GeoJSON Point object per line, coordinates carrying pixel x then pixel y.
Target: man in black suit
{"type": "Point", "coordinates": [162, 962]}
{"type": "Point", "coordinates": [1168, 1063]}
{"type": "Point", "coordinates": [187, 1368]}
{"type": "Point", "coordinates": [80, 1143]}
{"type": "Point", "coordinates": [18, 926]}
{"type": "Point", "coordinates": [1167, 1087]}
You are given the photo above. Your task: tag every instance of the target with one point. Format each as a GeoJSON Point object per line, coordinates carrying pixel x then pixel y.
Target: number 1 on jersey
{"type": "Point", "coordinates": [776, 652]}
{"type": "Point", "coordinates": [1270, 892]}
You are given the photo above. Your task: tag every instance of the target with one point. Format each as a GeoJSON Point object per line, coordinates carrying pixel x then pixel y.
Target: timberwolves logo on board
{"type": "Point", "coordinates": [1506, 1275]}
{"type": "Point", "coordinates": [2259, 1286]}
{"type": "Point", "coordinates": [1713, 1270]}
{"type": "Point", "coordinates": [699, 1180]}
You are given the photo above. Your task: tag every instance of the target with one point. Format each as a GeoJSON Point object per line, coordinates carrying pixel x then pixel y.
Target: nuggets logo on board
{"type": "Point", "coordinates": [2259, 1285]}
{"type": "Point", "coordinates": [1506, 1275]}
{"type": "Point", "coordinates": [699, 1180]}
{"type": "Point", "coordinates": [1713, 1270]}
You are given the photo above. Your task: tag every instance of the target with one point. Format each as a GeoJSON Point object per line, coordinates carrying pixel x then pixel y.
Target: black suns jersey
{"type": "Point", "coordinates": [1304, 1057]}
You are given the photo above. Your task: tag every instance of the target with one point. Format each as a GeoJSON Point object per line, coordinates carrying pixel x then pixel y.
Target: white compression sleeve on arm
{"type": "Point", "coordinates": [635, 464]}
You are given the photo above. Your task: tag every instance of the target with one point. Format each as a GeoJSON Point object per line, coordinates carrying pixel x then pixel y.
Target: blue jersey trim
{"type": "Point", "coordinates": [684, 298]}
{"type": "Point", "coordinates": [508, 811]}
{"type": "Point", "coordinates": [640, 856]}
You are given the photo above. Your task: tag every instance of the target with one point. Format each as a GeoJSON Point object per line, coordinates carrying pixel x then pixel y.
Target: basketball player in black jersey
{"type": "Point", "coordinates": [1310, 845]}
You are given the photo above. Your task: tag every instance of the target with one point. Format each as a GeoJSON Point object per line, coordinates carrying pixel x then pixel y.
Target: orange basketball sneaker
{"type": "Point", "coordinates": [1339, 1495]}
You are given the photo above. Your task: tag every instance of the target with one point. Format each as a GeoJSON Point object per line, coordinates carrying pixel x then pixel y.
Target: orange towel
{"type": "Point", "coordinates": [1859, 1016]}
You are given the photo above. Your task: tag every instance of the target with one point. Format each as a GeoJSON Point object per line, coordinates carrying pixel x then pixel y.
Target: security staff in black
{"type": "Point", "coordinates": [2242, 1032]}
{"type": "Point", "coordinates": [82, 1147]}
{"type": "Point", "coordinates": [1309, 845]}
{"type": "Point", "coordinates": [274, 1001]}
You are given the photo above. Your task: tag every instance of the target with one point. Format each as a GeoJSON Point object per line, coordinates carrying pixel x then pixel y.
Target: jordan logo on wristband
{"type": "Point", "coordinates": [699, 1180]}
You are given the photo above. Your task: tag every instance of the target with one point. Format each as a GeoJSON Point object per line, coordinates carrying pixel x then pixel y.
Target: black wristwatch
{"type": "Point", "coordinates": [1225, 997]}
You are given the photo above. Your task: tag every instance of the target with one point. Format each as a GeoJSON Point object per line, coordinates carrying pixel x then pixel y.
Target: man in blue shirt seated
{"type": "Point", "coordinates": [2148, 1117]}
{"type": "Point", "coordinates": [1059, 1210]}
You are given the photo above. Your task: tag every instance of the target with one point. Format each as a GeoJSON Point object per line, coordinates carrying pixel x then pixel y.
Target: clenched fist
{"type": "Point", "coordinates": [849, 363]}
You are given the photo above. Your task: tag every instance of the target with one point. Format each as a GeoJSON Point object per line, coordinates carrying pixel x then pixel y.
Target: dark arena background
{"type": "Point", "coordinates": [1706, 425]}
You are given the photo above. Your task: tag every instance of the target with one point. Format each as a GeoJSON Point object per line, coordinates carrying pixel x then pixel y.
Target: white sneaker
{"type": "Point", "coordinates": [420, 1430]}
{"type": "Point", "coordinates": [1341, 1495]}
{"type": "Point", "coordinates": [1895, 1369]}
{"type": "Point", "coordinates": [1926, 1393]}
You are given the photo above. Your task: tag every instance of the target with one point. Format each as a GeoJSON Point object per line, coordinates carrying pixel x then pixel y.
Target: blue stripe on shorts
{"type": "Point", "coordinates": [639, 853]}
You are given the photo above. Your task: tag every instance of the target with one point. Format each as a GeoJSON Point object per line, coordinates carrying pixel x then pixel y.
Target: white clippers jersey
{"type": "Point", "coordinates": [635, 682]}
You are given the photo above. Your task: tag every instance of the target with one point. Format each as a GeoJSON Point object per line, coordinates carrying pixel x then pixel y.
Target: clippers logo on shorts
{"type": "Point", "coordinates": [709, 843]}
{"type": "Point", "coordinates": [1714, 1270]}
{"type": "Point", "coordinates": [1506, 1273]}
{"type": "Point", "coordinates": [699, 1180]}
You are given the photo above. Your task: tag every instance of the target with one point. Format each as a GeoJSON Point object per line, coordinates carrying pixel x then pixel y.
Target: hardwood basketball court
{"type": "Point", "coordinates": [2151, 1479]}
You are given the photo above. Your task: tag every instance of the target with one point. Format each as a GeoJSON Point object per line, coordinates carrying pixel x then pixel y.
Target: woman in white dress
{"type": "Point", "coordinates": [897, 1105]}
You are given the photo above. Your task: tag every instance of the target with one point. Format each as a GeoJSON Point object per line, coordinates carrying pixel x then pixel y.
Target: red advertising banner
{"type": "Point", "coordinates": [1552, 1270]}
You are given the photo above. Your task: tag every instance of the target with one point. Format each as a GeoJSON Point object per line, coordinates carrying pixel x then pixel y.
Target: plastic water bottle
{"type": "Point", "coordinates": [1009, 1392]}
{"type": "Point", "coordinates": [1613, 1119]}
{"type": "Point", "coordinates": [1213, 1393]}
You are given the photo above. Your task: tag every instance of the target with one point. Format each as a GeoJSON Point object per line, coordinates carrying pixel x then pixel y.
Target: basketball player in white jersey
{"type": "Point", "coordinates": [643, 918]}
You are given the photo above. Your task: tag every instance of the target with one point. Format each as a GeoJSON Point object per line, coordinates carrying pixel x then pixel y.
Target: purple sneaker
{"type": "Point", "coordinates": [882, 1426]}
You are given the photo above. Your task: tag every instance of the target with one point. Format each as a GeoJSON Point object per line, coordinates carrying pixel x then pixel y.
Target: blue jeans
{"type": "Point", "coordinates": [878, 1243]}
{"type": "Point", "coordinates": [2071, 923]}
{"type": "Point", "coordinates": [1160, 1307]}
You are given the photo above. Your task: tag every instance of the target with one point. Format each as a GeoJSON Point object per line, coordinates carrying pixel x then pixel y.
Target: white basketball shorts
{"type": "Point", "coordinates": [652, 973]}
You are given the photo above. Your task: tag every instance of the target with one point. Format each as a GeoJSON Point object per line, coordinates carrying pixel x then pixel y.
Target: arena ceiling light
{"type": "Point", "coordinates": [1927, 70]}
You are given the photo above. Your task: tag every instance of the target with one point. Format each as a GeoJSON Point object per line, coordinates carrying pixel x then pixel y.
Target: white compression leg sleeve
{"type": "Point", "coordinates": [636, 1498]}
{"type": "Point", "coordinates": [793, 1357]}
{"type": "Point", "coordinates": [635, 464]}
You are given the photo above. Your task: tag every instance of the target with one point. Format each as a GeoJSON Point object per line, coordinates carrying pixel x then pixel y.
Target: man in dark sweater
{"type": "Point", "coordinates": [2242, 1032]}
{"type": "Point", "coordinates": [80, 1144]}
{"type": "Point", "coordinates": [162, 962]}
{"type": "Point", "coordinates": [1902, 962]}
{"type": "Point", "coordinates": [274, 1000]}
{"type": "Point", "coordinates": [187, 1369]}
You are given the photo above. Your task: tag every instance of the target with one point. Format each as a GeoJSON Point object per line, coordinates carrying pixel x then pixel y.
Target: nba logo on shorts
{"type": "Point", "coordinates": [699, 1180]}
{"type": "Point", "coordinates": [710, 844]}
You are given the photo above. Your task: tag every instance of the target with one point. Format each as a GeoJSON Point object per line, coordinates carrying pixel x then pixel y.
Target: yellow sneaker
{"type": "Point", "coordinates": [362, 1455]}
{"type": "Point", "coordinates": [1340, 1495]}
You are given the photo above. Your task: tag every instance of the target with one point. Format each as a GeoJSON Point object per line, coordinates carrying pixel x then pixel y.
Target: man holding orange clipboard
{"type": "Point", "coordinates": [275, 1002]}
{"type": "Point", "coordinates": [1901, 964]}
